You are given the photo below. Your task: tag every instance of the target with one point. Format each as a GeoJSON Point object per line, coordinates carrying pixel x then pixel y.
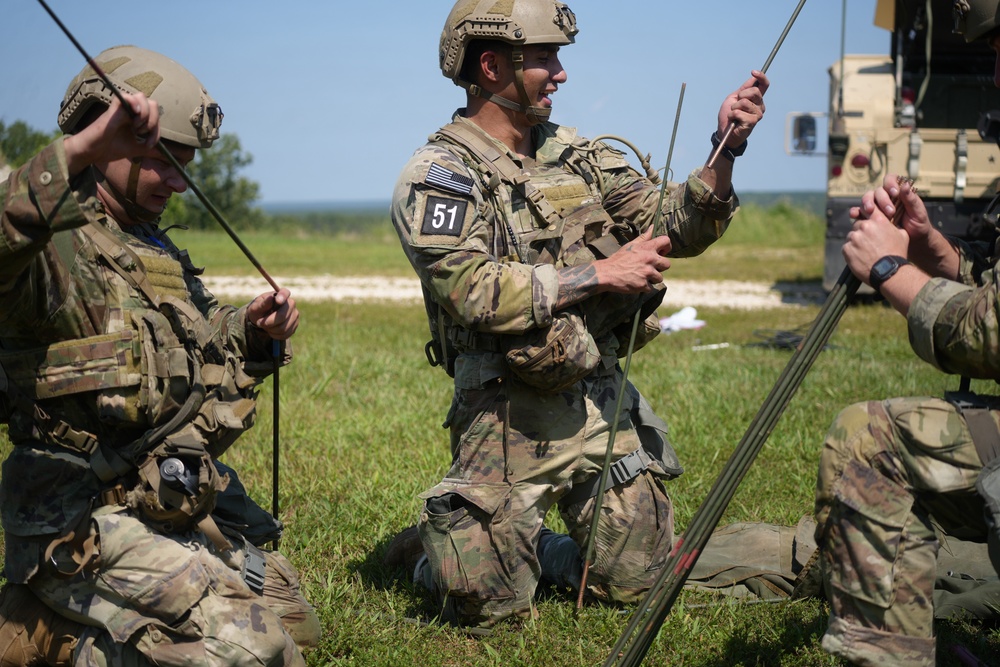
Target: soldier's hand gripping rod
{"type": "Point", "coordinates": [732, 125]}
{"type": "Point", "coordinates": [588, 555]}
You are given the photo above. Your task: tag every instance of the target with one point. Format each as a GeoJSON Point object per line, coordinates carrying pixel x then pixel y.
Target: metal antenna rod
{"type": "Point", "coordinates": [650, 614]}
{"type": "Point", "coordinates": [276, 439]}
{"type": "Point", "coordinates": [588, 556]}
{"type": "Point", "coordinates": [732, 126]}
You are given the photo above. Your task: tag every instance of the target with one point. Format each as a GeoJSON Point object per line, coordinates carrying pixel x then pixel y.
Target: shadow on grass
{"type": "Point", "coordinates": [784, 639]}
{"type": "Point", "coordinates": [962, 643]}
{"type": "Point", "coordinates": [959, 643]}
{"type": "Point", "coordinates": [394, 579]}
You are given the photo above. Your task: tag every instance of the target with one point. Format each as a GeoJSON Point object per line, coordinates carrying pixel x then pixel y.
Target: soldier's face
{"type": "Point", "coordinates": [158, 180]}
{"type": "Point", "coordinates": [543, 73]}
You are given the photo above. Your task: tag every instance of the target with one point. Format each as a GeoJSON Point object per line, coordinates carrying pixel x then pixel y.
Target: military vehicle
{"type": "Point", "coordinates": [921, 110]}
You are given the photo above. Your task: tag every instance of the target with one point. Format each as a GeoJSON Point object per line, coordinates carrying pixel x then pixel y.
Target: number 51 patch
{"type": "Point", "coordinates": [443, 216]}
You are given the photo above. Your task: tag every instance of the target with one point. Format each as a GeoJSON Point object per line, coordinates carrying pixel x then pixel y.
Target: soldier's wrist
{"type": "Point", "coordinates": [729, 153]}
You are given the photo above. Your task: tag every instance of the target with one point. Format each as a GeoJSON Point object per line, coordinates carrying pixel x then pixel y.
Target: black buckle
{"type": "Point", "coordinates": [433, 352]}
{"type": "Point", "coordinates": [254, 567]}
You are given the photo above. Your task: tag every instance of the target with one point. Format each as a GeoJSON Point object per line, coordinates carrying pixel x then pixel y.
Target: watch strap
{"type": "Point", "coordinates": [729, 153]}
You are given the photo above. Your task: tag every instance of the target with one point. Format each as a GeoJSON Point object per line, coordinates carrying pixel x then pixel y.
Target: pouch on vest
{"type": "Point", "coordinates": [178, 486]}
{"type": "Point", "coordinates": [163, 366]}
{"type": "Point", "coordinates": [555, 357]}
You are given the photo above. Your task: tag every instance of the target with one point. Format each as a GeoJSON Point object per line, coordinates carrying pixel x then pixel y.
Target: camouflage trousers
{"type": "Point", "coordinates": [174, 600]}
{"type": "Point", "coordinates": [516, 453]}
{"type": "Point", "coordinates": [887, 470]}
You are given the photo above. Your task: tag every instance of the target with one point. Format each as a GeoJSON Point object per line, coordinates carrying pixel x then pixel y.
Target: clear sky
{"type": "Point", "coordinates": [330, 97]}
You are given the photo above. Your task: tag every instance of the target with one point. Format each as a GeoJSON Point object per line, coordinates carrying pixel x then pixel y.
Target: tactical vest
{"type": "Point", "coordinates": [571, 228]}
{"type": "Point", "coordinates": [156, 370]}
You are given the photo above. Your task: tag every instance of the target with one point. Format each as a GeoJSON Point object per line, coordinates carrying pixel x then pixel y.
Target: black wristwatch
{"type": "Point", "coordinates": [884, 269]}
{"type": "Point", "coordinates": [729, 153]}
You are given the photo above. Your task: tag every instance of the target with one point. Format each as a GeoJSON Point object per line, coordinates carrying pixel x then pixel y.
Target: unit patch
{"type": "Point", "coordinates": [443, 216]}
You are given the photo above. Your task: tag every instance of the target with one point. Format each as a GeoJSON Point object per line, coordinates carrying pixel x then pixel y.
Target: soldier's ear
{"type": "Point", "coordinates": [491, 66]}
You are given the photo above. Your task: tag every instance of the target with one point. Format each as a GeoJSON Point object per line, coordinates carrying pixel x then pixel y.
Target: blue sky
{"type": "Point", "coordinates": [332, 97]}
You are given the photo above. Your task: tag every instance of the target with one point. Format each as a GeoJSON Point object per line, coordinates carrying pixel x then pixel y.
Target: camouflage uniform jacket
{"type": "Point", "coordinates": [56, 288]}
{"type": "Point", "coordinates": [475, 246]}
{"type": "Point", "coordinates": [955, 325]}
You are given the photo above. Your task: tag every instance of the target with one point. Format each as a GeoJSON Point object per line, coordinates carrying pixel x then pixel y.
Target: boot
{"type": "Point", "coordinates": [809, 581]}
{"type": "Point", "coordinates": [31, 633]}
{"type": "Point", "coordinates": [404, 550]}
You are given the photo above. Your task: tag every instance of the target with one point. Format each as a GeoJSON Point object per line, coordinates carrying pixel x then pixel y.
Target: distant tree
{"type": "Point", "coordinates": [19, 142]}
{"type": "Point", "coordinates": [216, 172]}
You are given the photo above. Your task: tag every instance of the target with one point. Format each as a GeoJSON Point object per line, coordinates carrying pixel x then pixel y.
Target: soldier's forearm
{"type": "Point", "coordinates": [576, 283]}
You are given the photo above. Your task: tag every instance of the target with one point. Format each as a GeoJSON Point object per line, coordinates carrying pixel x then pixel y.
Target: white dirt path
{"type": "Point", "coordinates": [707, 294]}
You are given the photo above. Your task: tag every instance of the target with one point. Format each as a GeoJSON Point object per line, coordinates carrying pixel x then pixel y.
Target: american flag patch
{"type": "Point", "coordinates": [448, 180]}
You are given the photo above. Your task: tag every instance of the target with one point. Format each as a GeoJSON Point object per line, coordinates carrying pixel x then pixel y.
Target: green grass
{"type": "Point", "coordinates": [285, 252]}
{"type": "Point", "coordinates": [779, 243]}
{"type": "Point", "coordinates": [361, 437]}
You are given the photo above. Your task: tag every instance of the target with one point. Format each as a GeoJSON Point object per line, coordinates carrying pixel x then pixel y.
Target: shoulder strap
{"type": "Point", "coordinates": [122, 259]}
{"type": "Point", "coordinates": [502, 168]}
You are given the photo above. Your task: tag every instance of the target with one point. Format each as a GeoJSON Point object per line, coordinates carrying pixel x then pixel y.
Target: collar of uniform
{"type": "Point", "coordinates": [551, 140]}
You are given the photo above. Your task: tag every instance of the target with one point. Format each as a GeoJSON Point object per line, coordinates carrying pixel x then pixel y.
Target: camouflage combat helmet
{"type": "Point", "coordinates": [976, 18]}
{"type": "Point", "coordinates": [188, 115]}
{"type": "Point", "coordinates": [514, 22]}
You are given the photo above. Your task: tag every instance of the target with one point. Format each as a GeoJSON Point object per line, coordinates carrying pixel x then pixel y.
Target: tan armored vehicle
{"type": "Point", "coordinates": [919, 111]}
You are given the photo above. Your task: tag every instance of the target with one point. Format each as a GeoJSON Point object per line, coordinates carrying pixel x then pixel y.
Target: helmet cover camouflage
{"type": "Point", "coordinates": [516, 22]}
{"type": "Point", "coordinates": [188, 115]}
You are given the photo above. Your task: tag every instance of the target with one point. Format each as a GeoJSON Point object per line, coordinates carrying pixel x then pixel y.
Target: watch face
{"type": "Point", "coordinates": [883, 266]}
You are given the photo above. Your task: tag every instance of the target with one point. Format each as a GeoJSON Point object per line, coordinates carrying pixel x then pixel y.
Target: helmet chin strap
{"type": "Point", "coordinates": [535, 114]}
{"type": "Point", "coordinates": [127, 201]}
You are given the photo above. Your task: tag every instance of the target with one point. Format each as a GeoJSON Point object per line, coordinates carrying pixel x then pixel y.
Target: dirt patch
{"type": "Point", "coordinates": [707, 294]}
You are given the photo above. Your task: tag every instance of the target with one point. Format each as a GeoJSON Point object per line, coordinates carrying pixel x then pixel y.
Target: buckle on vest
{"type": "Point", "coordinates": [621, 471]}
{"type": "Point", "coordinates": [63, 434]}
{"type": "Point", "coordinates": [628, 467]}
{"type": "Point", "coordinates": [113, 496]}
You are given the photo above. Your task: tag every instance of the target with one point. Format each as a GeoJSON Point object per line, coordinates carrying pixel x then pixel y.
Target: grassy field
{"type": "Point", "coordinates": [361, 437]}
